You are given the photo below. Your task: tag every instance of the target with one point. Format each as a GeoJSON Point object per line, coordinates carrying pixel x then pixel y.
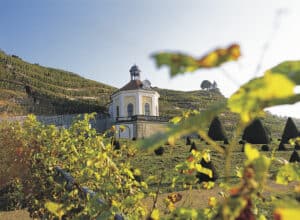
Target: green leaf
{"type": "Point", "coordinates": [181, 63]}
{"type": "Point", "coordinates": [259, 93]}
{"type": "Point", "coordinates": [290, 69]}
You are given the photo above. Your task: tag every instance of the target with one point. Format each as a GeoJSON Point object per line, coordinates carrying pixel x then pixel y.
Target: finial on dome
{"type": "Point", "coordinates": [135, 72]}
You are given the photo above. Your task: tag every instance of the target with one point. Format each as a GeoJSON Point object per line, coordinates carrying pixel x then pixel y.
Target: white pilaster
{"type": "Point", "coordinates": [140, 104]}
{"type": "Point", "coordinates": [122, 107]}
{"type": "Point", "coordinates": [153, 104]}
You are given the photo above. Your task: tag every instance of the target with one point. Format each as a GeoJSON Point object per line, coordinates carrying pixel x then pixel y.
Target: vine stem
{"type": "Point", "coordinates": [156, 195]}
{"type": "Point", "coordinates": [228, 152]}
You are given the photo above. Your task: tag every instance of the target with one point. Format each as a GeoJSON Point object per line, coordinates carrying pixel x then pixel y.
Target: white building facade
{"type": "Point", "coordinates": [133, 102]}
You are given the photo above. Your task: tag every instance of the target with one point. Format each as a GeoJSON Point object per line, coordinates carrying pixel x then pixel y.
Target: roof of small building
{"type": "Point", "coordinates": [132, 85]}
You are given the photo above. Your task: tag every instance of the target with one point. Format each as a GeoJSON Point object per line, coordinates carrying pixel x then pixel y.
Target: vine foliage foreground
{"type": "Point", "coordinates": [91, 159]}
{"type": "Point", "coordinates": [275, 87]}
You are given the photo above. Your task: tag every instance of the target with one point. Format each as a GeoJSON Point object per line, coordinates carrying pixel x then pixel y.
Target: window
{"type": "Point", "coordinates": [147, 109]}
{"type": "Point", "coordinates": [118, 111]}
{"type": "Point", "coordinates": [130, 109]}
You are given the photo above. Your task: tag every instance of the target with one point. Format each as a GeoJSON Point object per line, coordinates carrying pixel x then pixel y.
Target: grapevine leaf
{"type": "Point", "coordinates": [251, 152]}
{"type": "Point", "coordinates": [286, 213]}
{"type": "Point", "coordinates": [55, 208]}
{"type": "Point", "coordinates": [289, 172]}
{"type": "Point", "coordinates": [259, 93]}
{"type": "Point", "coordinates": [155, 214]}
{"type": "Point", "coordinates": [181, 63]}
{"type": "Point", "coordinates": [290, 69]}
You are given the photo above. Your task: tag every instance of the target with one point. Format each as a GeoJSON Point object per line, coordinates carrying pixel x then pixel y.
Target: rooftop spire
{"type": "Point", "coordinates": [135, 72]}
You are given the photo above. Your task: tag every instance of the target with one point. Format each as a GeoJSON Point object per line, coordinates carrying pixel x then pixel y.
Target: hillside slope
{"type": "Point", "coordinates": [31, 88]}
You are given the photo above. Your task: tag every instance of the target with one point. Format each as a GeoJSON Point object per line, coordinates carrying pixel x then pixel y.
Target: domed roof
{"type": "Point", "coordinates": [134, 70]}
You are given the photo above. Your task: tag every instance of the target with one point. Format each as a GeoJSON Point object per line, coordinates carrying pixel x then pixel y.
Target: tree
{"type": "Point", "coordinates": [294, 157]}
{"type": "Point", "coordinates": [214, 85]}
{"type": "Point", "coordinates": [205, 85]}
{"type": "Point", "coordinates": [290, 131]}
{"type": "Point", "coordinates": [202, 177]}
{"type": "Point", "coordinates": [256, 133]}
{"type": "Point", "coordinates": [216, 130]}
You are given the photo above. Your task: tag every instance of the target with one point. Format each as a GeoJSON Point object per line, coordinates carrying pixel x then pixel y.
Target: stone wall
{"type": "Point", "coordinates": [100, 123]}
{"type": "Point", "coordinates": [148, 128]}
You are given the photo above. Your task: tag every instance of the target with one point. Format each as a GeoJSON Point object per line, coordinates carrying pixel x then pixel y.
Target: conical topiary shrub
{"type": "Point", "coordinates": [256, 133]}
{"type": "Point", "coordinates": [205, 178]}
{"type": "Point", "coordinates": [290, 131]}
{"type": "Point", "coordinates": [193, 147]}
{"type": "Point", "coordinates": [281, 147]}
{"type": "Point", "coordinates": [265, 147]}
{"type": "Point", "coordinates": [188, 141]}
{"type": "Point", "coordinates": [216, 130]}
{"type": "Point", "coordinates": [294, 157]}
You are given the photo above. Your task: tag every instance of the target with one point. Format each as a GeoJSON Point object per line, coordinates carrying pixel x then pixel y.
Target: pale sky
{"type": "Point", "coordinates": [101, 39]}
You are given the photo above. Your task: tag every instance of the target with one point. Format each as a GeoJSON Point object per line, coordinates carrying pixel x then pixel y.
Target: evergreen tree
{"type": "Point", "coordinates": [256, 133]}
{"type": "Point", "coordinates": [294, 157]}
{"type": "Point", "coordinates": [290, 131]}
{"type": "Point", "coordinates": [216, 130]}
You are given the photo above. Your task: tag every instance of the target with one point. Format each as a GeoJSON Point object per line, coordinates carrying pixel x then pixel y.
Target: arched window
{"type": "Point", "coordinates": [118, 111]}
{"type": "Point", "coordinates": [147, 109]}
{"type": "Point", "coordinates": [130, 109]}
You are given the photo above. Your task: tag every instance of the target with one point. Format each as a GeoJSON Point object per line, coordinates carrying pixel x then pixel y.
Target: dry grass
{"type": "Point", "coordinates": [15, 215]}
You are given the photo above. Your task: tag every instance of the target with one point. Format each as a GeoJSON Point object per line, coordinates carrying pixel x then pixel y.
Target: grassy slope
{"type": "Point", "coordinates": [53, 91]}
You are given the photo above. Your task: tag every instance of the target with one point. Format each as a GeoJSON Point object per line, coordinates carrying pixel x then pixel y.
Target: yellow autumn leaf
{"type": "Point", "coordinates": [176, 120]}
{"type": "Point", "coordinates": [251, 152]}
{"type": "Point", "coordinates": [286, 213]}
{"type": "Point", "coordinates": [155, 215]}
{"type": "Point", "coordinates": [55, 208]}
{"type": "Point", "coordinates": [212, 201]}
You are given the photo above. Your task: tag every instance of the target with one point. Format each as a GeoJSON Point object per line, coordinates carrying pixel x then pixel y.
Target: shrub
{"type": "Point", "coordinates": [265, 147]}
{"type": "Point", "coordinates": [242, 142]}
{"type": "Point", "coordinates": [290, 131]}
{"type": "Point", "coordinates": [159, 151]}
{"type": "Point", "coordinates": [14, 153]}
{"type": "Point", "coordinates": [226, 141]}
{"type": "Point", "coordinates": [116, 145]}
{"type": "Point", "coordinates": [193, 147]}
{"type": "Point", "coordinates": [188, 141]}
{"type": "Point", "coordinates": [281, 147]}
{"type": "Point", "coordinates": [216, 130]}
{"type": "Point", "coordinates": [204, 177]}
{"type": "Point", "coordinates": [294, 157]}
{"type": "Point", "coordinates": [256, 133]}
